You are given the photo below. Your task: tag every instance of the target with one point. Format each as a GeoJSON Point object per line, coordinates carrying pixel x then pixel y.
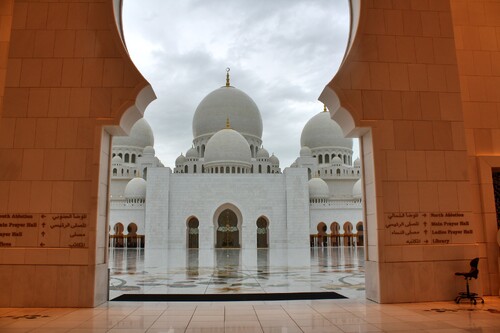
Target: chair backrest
{"type": "Point", "coordinates": [473, 268]}
{"type": "Point", "coordinates": [474, 262]}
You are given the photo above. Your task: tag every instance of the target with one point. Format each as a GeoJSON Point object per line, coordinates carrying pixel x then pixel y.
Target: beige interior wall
{"type": "Point", "coordinates": [399, 90]}
{"type": "Point", "coordinates": [5, 28]}
{"type": "Point", "coordinates": [477, 40]}
{"type": "Point", "coordinates": [429, 128]}
{"type": "Point", "coordinates": [68, 82]}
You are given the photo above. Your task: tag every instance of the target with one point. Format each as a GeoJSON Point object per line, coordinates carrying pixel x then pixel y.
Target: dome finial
{"type": "Point", "coordinates": [228, 124]}
{"type": "Point", "coordinates": [227, 76]}
{"type": "Point", "coordinates": [324, 108]}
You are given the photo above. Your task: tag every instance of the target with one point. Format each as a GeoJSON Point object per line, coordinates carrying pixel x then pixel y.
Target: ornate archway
{"type": "Point", "coordinates": [262, 232]}
{"type": "Point", "coordinates": [193, 233]}
{"type": "Point", "coordinates": [228, 232]}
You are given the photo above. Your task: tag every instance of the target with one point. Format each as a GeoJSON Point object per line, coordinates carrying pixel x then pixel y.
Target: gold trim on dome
{"type": "Point", "coordinates": [324, 108]}
{"type": "Point", "coordinates": [228, 84]}
{"type": "Point", "coordinates": [228, 124]}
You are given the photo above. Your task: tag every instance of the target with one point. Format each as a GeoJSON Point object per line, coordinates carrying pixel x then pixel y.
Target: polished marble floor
{"type": "Point", "coordinates": [320, 316]}
{"type": "Point", "coordinates": [324, 269]}
{"type": "Point", "coordinates": [237, 271]}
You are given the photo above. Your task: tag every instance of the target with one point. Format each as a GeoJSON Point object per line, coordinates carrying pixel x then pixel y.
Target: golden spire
{"type": "Point", "coordinates": [227, 77]}
{"type": "Point", "coordinates": [324, 108]}
{"type": "Point", "coordinates": [228, 124]}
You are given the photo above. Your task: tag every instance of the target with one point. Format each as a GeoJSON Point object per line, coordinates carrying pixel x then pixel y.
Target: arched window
{"type": "Point", "coordinates": [133, 158]}
{"type": "Point", "coordinates": [120, 154]}
{"type": "Point", "coordinates": [228, 233]}
{"type": "Point", "coordinates": [145, 173]}
{"type": "Point", "coordinates": [239, 170]}
{"type": "Point", "coordinates": [127, 156]}
{"type": "Point", "coordinates": [227, 170]}
{"type": "Point", "coordinates": [202, 150]}
{"type": "Point", "coordinates": [193, 233]}
{"type": "Point", "coordinates": [338, 172]}
{"type": "Point", "coordinates": [185, 169]}
{"type": "Point", "coordinates": [327, 158]}
{"type": "Point", "coordinates": [194, 168]}
{"type": "Point", "coordinates": [122, 172]}
{"type": "Point", "coordinates": [132, 237]}
{"type": "Point", "coordinates": [115, 172]}
{"type": "Point", "coordinates": [262, 233]}
{"type": "Point", "coordinates": [233, 170]}
{"type": "Point", "coordinates": [252, 150]}
{"type": "Point", "coordinates": [268, 169]}
{"type": "Point", "coordinates": [345, 159]}
{"type": "Point", "coordinates": [260, 168]}
{"type": "Point", "coordinates": [320, 158]}
{"type": "Point", "coordinates": [113, 155]}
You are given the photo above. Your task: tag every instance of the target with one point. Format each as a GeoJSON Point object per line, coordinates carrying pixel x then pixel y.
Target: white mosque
{"type": "Point", "coordinates": [227, 191]}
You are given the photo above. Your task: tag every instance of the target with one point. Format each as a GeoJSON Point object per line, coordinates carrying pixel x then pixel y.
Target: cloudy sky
{"type": "Point", "coordinates": [281, 53]}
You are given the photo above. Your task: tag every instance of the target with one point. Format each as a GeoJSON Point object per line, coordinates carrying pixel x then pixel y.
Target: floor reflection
{"type": "Point", "coordinates": [198, 271]}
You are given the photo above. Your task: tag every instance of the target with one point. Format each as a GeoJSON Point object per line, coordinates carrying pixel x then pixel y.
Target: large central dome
{"type": "Point", "coordinates": [227, 145]}
{"type": "Point", "coordinates": [227, 102]}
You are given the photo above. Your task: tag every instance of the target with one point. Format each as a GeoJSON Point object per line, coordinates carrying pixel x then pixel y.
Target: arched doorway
{"type": "Point", "coordinates": [322, 237]}
{"type": "Point", "coordinates": [335, 233]}
{"type": "Point", "coordinates": [228, 233]}
{"type": "Point", "coordinates": [359, 234]}
{"type": "Point", "coordinates": [132, 235]}
{"type": "Point", "coordinates": [262, 233]}
{"type": "Point", "coordinates": [193, 233]}
{"type": "Point", "coordinates": [348, 235]}
{"type": "Point", "coordinates": [117, 238]}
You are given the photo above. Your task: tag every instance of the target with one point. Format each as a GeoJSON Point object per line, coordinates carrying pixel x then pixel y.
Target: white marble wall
{"type": "Point", "coordinates": [157, 211]}
{"type": "Point", "coordinates": [174, 198]}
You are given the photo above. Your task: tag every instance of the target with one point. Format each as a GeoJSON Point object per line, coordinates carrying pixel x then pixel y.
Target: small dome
{"type": "Point", "coordinates": [318, 189]}
{"type": "Point", "coordinates": [227, 102]}
{"type": "Point", "coordinates": [180, 160]}
{"type": "Point", "coordinates": [192, 153]}
{"type": "Point", "coordinates": [357, 162]}
{"type": "Point", "coordinates": [227, 145]}
{"type": "Point", "coordinates": [116, 160]}
{"type": "Point", "coordinates": [148, 150]}
{"type": "Point", "coordinates": [337, 161]}
{"type": "Point", "coordinates": [305, 151]}
{"type": "Point", "coordinates": [274, 160]}
{"type": "Point", "coordinates": [357, 192]}
{"type": "Point", "coordinates": [262, 153]}
{"type": "Point", "coordinates": [135, 189]}
{"type": "Point", "coordinates": [141, 135]}
{"type": "Point", "coordinates": [322, 131]}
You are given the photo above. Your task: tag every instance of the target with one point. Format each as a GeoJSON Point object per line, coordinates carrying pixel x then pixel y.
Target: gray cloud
{"type": "Point", "coordinates": [281, 53]}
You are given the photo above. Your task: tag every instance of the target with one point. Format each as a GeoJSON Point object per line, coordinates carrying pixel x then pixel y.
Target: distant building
{"type": "Point", "coordinates": [228, 191]}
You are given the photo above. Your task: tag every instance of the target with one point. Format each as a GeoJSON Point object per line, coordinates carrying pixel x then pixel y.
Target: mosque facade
{"type": "Point", "coordinates": [227, 191]}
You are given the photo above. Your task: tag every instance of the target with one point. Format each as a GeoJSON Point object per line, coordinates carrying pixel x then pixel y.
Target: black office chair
{"type": "Point", "coordinates": [472, 297]}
